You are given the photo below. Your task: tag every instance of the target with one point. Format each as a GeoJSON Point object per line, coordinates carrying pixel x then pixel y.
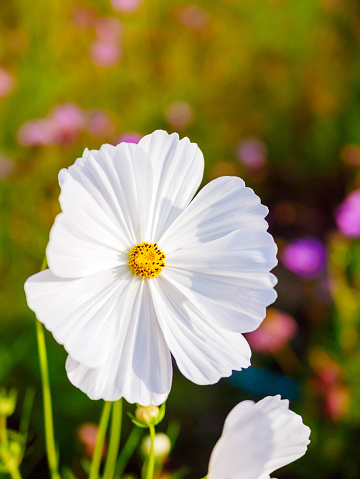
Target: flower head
{"type": "Point", "coordinates": [138, 271]}
{"type": "Point", "coordinates": [348, 215]}
{"type": "Point", "coordinates": [306, 257]}
{"type": "Point", "coordinates": [257, 439]}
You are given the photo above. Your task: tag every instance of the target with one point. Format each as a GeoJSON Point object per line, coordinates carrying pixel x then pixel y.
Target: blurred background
{"type": "Point", "coordinates": [270, 91]}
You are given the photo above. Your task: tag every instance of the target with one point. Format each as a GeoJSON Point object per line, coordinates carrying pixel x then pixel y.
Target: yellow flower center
{"type": "Point", "coordinates": [146, 260]}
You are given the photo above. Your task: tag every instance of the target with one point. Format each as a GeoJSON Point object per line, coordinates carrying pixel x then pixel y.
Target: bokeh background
{"type": "Point", "coordinates": [270, 91]}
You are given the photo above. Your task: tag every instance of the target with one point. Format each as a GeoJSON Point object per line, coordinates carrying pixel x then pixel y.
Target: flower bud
{"type": "Point", "coordinates": [7, 402]}
{"type": "Point", "coordinates": [147, 414]}
{"type": "Point", "coordinates": [162, 446]}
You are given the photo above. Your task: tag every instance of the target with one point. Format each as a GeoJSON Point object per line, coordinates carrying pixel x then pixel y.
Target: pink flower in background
{"type": "Point", "coordinates": [336, 401]}
{"type": "Point", "coordinates": [276, 329]}
{"type": "Point", "coordinates": [7, 167]}
{"type": "Point", "coordinates": [348, 215]}
{"type": "Point", "coordinates": [68, 120]}
{"type": "Point", "coordinates": [105, 54]}
{"type": "Point", "coordinates": [305, 257]}
{"type": "Point", "coordinates": [194, 17]}
{"type": "Point", "coordinates": [130, 137]}
{"type": "Point", "coordinates": [252, 153]}
{"type": "Point", "coordinates": [37, 132]}
{"type": "Point", "coordinates": [84, 17]}
{"type": "Point", "coordinates": [126, 5]}
{"type": "Point", "coordinates": [179, 114]}
{"type": "Point", "coordinates": [87, 435]}
{"type": "Point", "coordinates": [7, 82]}
{"type": "Point", "coordinates": [100, 124]}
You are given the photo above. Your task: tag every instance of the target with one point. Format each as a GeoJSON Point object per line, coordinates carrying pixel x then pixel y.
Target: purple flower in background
{"type": "Point", "coordinates": [130, 137]}
{"type": "Point", "coordinates": [108, 29]}
{"type": "Point", "coordinates": [105, 54]}
{"type": "Point", "coordinates": [305, 257]}
{"type": "Point", "coordinates": [348, 215]}
{"type": "Point", "coordinates": [126, 5]}
{"type": "Point", "coordinates": [252, 153]}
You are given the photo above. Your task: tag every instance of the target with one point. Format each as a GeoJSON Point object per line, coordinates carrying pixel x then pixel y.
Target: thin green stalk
{"type": "Point", "coordinates": [3, 430]}
{"type": "Point", "coordinates": [114, 440]}
{"type": "Point", "coordinates": [96, 460]}
{"type": "Point", "coordinates": [48, 415]}
{"type": "Point", "coordinates": [151, 460]}
{"type": "Point", "coordinates": [128, 450]}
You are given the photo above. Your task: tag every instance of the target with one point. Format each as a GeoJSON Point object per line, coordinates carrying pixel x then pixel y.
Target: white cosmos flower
{"type": "Point", "coordinates": [112, 299]}
{"type": "Point", "coordinates": [257, 439]}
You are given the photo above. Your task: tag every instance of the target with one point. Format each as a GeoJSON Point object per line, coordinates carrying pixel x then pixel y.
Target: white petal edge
{"type": "Point", "coordinates": [85, 314]}
{"type": "Point", "coordinates": [139, 368]}
{"type": "Point", "coordinates": [104, 200]}
{"type": "Point", "coordinates": [221, 207]}
{"type": "Point", "coordinates": [178, 167]}
{"type": "Point", "coordinates": [257, 439]}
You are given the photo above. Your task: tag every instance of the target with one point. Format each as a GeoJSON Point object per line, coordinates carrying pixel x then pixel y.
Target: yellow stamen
{"type": "Point", "coordinates": [146, 260]}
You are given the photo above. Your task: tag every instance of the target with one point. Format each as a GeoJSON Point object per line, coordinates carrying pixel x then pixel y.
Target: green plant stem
{"type": "Point", "coordinates": [128, 450]}
{"type": "Point", "coordinates": [114, 443]}
{"type": "Point", "coordinates": [12, 470]}
{"type": "Point", "coordinates": [3, 431]}
{"type": "Point", "coordinates": [151, 460]}
{"type": "Point", "coordinates": [48, 415]}
{"type": "Point", "coordinates": [96, 460]}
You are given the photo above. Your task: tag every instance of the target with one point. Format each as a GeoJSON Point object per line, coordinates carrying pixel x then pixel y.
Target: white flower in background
{"type": "Point", "coordinates": [137, 270]}
{"type": "Point", "coordinates": [257, 439]}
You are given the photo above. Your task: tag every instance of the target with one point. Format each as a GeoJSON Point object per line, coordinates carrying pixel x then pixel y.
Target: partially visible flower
{"type": "Point", "coordinates": [305, 257]}
{"type": "Point", "coordinates": [37, 132]}
{"type": "Point", "coordinates": [68, 119]}
{"type": "Point", "coordinates": [257, 439]}
{"type": "Point", "coordinates": [126, 5]}
{"type": "Point", "coordinates": [138, 270]}
{"type": "Point", "coordinates": [162, 446]}
{"type": "Point", "coordinates": [7, 82]}
{"type": "Point", "coordinates": [129, 137]}
{"type": "Point", "coordinates": [252, 153]}
{"type": "Point", "coordinates": [87, 435]}
{"type": "Point", "coordinates": [179, 114]}
{"type": "Point", "coordinates": [276, 329]}
{"type": "Point", "coordinates": [194, 17]}
{"type": "Point", "coordinates": [348, 215]}
{"type": "Point", "coordinates": [105, 54]}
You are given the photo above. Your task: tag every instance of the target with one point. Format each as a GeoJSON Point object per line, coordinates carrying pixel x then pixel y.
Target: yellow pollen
{"type": "Point", "coordinates": [146, 260]}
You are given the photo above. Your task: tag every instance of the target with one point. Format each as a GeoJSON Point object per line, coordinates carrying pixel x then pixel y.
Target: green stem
{"type": "Point", "coordinates": [114, 440]}
{"type": "Point", "coordinates": [48, 415]}
{"type": "Point", "coordinates": [3, 430]}
{"type": "Point", "coordinates": [96, 460]}
{"type": "Point", "coordinates": [11, 469]}
{"type": "Point", "coordinates": [151, 460]}
{"type": "Point", "coordinates": [128, 450]}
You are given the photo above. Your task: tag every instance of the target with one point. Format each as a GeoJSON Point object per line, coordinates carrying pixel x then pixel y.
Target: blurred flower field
{"type": "Point", "coordinates": [270, 91]}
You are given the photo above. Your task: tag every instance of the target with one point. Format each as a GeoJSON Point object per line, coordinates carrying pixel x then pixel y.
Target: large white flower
{"type": "Point", "coordinates": [257, 439]}
{"type": "Point", "coordinates": [137, 270]}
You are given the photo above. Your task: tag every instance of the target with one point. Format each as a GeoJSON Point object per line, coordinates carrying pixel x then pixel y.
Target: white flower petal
{"type": "Point", "coordinates": [241, 452]}
{"type": "Point", "coordinates": [204, 352]}
{"type": "Point", "coordinates": [178, 167]}
{"type": "Point", "coordinates": [83, 314]}
{"type": "Point", "coordinates": [139, 368]}
{"type": "Point", "coordinates": [222, 206]}
{"type": "Point", "coordinates": [105, 197]}
{"type": "Point", "coordinates": [257, 439]}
